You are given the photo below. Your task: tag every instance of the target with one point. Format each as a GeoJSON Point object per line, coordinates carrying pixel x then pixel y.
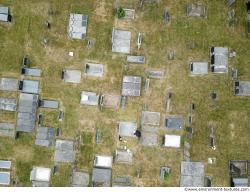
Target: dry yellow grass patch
{"type": "Point", "coordinates": [23, 153]}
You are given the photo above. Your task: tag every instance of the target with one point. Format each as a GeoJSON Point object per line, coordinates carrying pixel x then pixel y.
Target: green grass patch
{"type": "Point", "coordinates": [6, 148]}
{"type": "Point", "coordinates": [87, 138]}
{"type": "Point", "coordinates": [23, 170]}
{"type": "Point", "coordinates": [85, 157]}
{"type": "Point", "coordinates": [42, 152]}
{"type": "Point", "coordinates": [25, 139]}
{"type": "Point", "coordinates": [62, 177]}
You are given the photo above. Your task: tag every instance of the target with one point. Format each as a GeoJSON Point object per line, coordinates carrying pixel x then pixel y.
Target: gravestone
{"type": "Point", "coordinates": [166, 16]}
{"type": "Point", "coordinates": [171, 55]}
{"type": "Point", "coordinates": [98, 136]}
{"type": "Point", "coordinates": [90, 44]}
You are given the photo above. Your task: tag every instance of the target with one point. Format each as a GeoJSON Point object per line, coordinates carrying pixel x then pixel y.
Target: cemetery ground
{"type": "Point", "coordinates": [228, 113]}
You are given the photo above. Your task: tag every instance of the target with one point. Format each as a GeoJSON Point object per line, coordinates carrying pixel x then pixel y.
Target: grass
{"type": "Point", "coordinates": [85, 158]}
{"type": "Point", "coordinates": [23, 172]}
{"type": "Point", "coordinates": [87, 138]}
{"type": "Point", "coordinates": [86, 151]}
{"type": "Point", "coordinates": [38, 153]}
{"type": "Point", "coordinates": [62, 178]}
{"type": "Point", "coordinates": [167, 176]}
{"type": "Point", "coordinates": [230, 114]}
{"type": "Point", "coordinates": [6, 148]}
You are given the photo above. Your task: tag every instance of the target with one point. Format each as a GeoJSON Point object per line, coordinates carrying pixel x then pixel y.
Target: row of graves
{"type": "Point", "coordinates": [101, 175]}
{"type": "Point", "coordinates": [26, 108]}
{"type": "Point", "coordinates": [65, 153]}
{"type": "Point", "coordinates": [147, 132]}
{"type": "Point", "coordinates": [239, 169]}
{"type": "Point", "coordinates": [102, 168]}
{"type": "Point", "coordinates": [27, 116]}
{"type": "Point", "coordinates": [49, 137]}
{"type": "Point", "coordinates": [5, 172]}
{"type": "Point", "coordinates": [65, 150]}
{"type": "Point", "coordinates": [192, 173]}
{"type": "Point", "coordinates": [102, 164]}
{"type": "Point", "coordinates": [240, 87]}
{"type": "Point", "coordinates": [218, 62]}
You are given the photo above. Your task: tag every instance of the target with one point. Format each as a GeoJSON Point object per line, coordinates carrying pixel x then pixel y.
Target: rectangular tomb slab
{"type": "Point", "coordinates": [149, 139]}
{"type": "Point", "coordinates": [4, 13]}
{"type": "Point", "coordinates": [240, 182]}
{"type": "Point", "coordinates": [192, 174]}
{"type": "Point", "coordinates": [77, 28]}
{"type": "Point", "coordinates": [127, 129]}
{"type": "Point", "coordinates": [4, 178]}
{"type": "Point", "coordinates": [89, 98]}
{"type": "Point", "coordinates": [29, 86]}
{"type": "Point", "coordinates": [52, 104]}
{"type": "Point", "coordinates": [45, 136]}
{"type": "Point", "coordinates": [121, 41]}
{"type": "Point", "coordinates": [80, 179]}
{"type": "Point", "coordinates": [35, 72]}
{"type": "Point", "coordinates": [131, 86]}
{"type": "Point", "coordinates": [103, 161]}
{"type": "Point", "coordinates": [198, 68]}
{"type": "Point", "coordinates": [124, 156]}
{"type": "Point", "coordinates": [121, 181]}
{"type": "Point", "coordinates": [242, 88]}
{"type": "Point", "coordinates": [219, 59]}
{"type": "Point", "coordinates": [5, 164]}
{"type": "Point", "coordinates": [136, 59]}
{"type": "Point", "coordinates": [72, 76]}
{"type": "Point", "coordinates": [174, 122]}
{"type": "Point", "coordinates": [111, 101]}
{"type": "Point", "coordinates": [64, 152]}
{"type": "Point", "coordinates": [26, 115]}
{"type": "Point", "coordinates": [101, 177]}
{"type": "Point", "coordinates": [129, 14]}
{"type": "Point", "coordinates": [157, 74]}
{"type": "Point", "coordinates": [7, 129]}
{"type": "Point", "coordinates": [7, 104]}
{"type": "Point", "coordinates": [150, 118]}
{"type": "Point", "coordinates": [94, 70]}
{"type": "Point", "coordinates": [172, 141]}
{"type": "Point", "coordinates": [40, 176]}
{"type": "Point", "coordinates": [8, 84]}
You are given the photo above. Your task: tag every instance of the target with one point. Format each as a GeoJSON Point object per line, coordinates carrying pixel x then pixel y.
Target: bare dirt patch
{"type": "Point", "coordinates": [100, 10]}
